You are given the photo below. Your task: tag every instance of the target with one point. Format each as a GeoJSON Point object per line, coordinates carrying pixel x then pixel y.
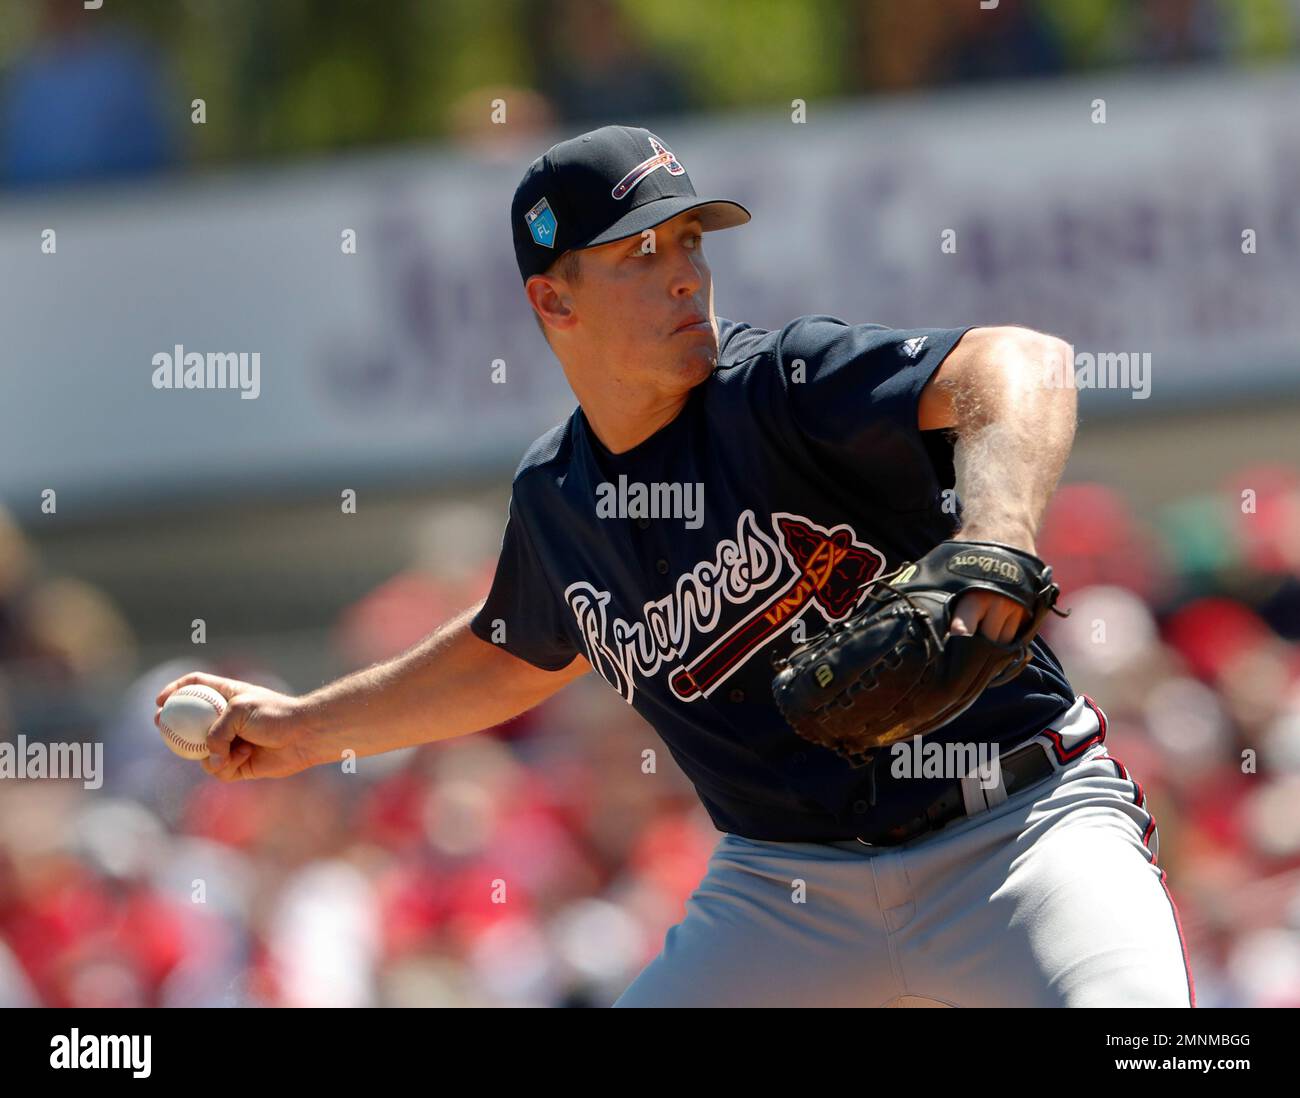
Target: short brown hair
{"type": "Point", "coordinates": [568, 266]}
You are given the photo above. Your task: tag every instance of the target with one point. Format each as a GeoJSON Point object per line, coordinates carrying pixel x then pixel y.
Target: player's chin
{"type": "Point", "coordinates": [697, 365]}
{"type": "Point", "coordinates": [698, 357]}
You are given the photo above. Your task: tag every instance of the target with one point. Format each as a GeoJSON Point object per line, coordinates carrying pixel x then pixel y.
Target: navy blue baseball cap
{"type": "Point", "coordinates": [602, 186]}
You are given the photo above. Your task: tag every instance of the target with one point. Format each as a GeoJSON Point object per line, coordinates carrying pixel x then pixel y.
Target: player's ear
{"type": "Point", "coordinates": [551, 302]}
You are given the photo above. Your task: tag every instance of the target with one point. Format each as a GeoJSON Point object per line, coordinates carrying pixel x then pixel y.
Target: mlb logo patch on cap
{"type": "Point", "coordinates": [541, 224]}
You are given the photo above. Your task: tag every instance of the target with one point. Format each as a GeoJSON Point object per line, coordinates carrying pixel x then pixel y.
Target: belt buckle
{"type": "Point", "coordinates": [916, 827]}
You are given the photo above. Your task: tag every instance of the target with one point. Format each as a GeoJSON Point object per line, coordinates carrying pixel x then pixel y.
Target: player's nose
{"type": "Point", "coordinates": [687, 274]}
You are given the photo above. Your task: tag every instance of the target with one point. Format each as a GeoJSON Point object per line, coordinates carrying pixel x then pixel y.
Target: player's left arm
{"type": "Point", "coordinates": [1000, 392]}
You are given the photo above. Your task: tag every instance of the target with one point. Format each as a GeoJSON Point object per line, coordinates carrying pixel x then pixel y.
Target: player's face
{"type": "Point", "coordinates": [644, 306]}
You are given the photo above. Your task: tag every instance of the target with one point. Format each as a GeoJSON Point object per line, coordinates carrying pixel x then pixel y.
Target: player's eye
{"type": "Point", "coordinates": [694, 240]}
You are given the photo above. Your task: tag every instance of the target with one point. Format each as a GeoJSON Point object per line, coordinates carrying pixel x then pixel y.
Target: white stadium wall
{"type": "Point", "coordinates": [1124, 237]}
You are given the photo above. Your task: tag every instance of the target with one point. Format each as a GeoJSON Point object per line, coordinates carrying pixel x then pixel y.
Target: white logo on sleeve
{"type": "Point", "coordinates": [913, 347]}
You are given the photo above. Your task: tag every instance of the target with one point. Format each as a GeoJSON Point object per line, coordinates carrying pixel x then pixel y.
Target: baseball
{"type": "Point", "coordinates": [186, 717]}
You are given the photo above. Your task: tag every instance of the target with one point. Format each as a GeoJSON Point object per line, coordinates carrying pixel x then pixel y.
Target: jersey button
{"type": "Point", "coordinates": [860, 807]}
{"type": "Point", "coordinates": [662, 566]}
{"type": "Point", "coordinates": [643, 522]}
{"type": "Point", "coordinates": [737, 695]}
{"type": "Point", "coordinates": [800, 757]}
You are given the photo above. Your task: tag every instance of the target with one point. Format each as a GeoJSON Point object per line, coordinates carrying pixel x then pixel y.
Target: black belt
{"type": "Point", "coordinates": [1021, 768]}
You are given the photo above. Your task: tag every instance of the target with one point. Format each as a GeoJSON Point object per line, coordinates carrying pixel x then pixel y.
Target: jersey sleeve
{"type": "Point", "coordinates": [853, 391]}
{"type": "Point", "coordinates": [522, 614]}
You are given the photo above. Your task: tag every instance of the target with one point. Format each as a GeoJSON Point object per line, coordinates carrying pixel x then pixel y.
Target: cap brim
{"type": "Point", "coordinates": [714, 213]}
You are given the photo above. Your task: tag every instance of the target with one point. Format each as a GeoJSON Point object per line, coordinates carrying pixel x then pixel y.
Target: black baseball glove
{"type": "Point", "coordinates": [891, 670]}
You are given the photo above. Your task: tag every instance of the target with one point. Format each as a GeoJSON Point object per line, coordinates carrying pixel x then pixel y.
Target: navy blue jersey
{"type": "Point", "coordinates": [796, 473]}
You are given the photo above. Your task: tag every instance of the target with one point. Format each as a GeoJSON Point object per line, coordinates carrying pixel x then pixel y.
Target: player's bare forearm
{"type": "Point", "coordinates": [1000, 392]}
{"type": "Point", "coordinates": [450, 684]}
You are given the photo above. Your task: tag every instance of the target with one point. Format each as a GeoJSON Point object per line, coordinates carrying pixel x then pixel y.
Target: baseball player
{"type": "Point", "coordinates": [721, 495]}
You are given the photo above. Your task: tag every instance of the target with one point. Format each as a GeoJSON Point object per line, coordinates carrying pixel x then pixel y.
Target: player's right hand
{"type": "Point", "coordinates": [262, 733]}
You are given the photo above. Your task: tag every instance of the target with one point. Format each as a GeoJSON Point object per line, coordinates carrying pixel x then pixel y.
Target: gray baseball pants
{"type": "Point", "coordinates": [1051, 897]}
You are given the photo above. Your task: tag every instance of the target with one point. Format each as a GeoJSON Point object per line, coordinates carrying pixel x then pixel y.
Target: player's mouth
{"type": "Point", "coordinates": [695, 323]}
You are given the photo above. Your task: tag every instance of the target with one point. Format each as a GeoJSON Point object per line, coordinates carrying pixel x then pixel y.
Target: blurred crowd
{"type": "Point", "coordinates": [540, 863]}
{"type": "Point", "coordinates": [110, 93]}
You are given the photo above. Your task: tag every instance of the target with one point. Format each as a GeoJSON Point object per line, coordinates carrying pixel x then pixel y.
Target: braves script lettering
{"type": "Point", "coordinates": [824, 568]}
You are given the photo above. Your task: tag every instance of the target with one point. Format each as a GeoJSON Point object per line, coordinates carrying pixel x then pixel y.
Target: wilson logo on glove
{"type": "Point", "coordinates": [979, 564]}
